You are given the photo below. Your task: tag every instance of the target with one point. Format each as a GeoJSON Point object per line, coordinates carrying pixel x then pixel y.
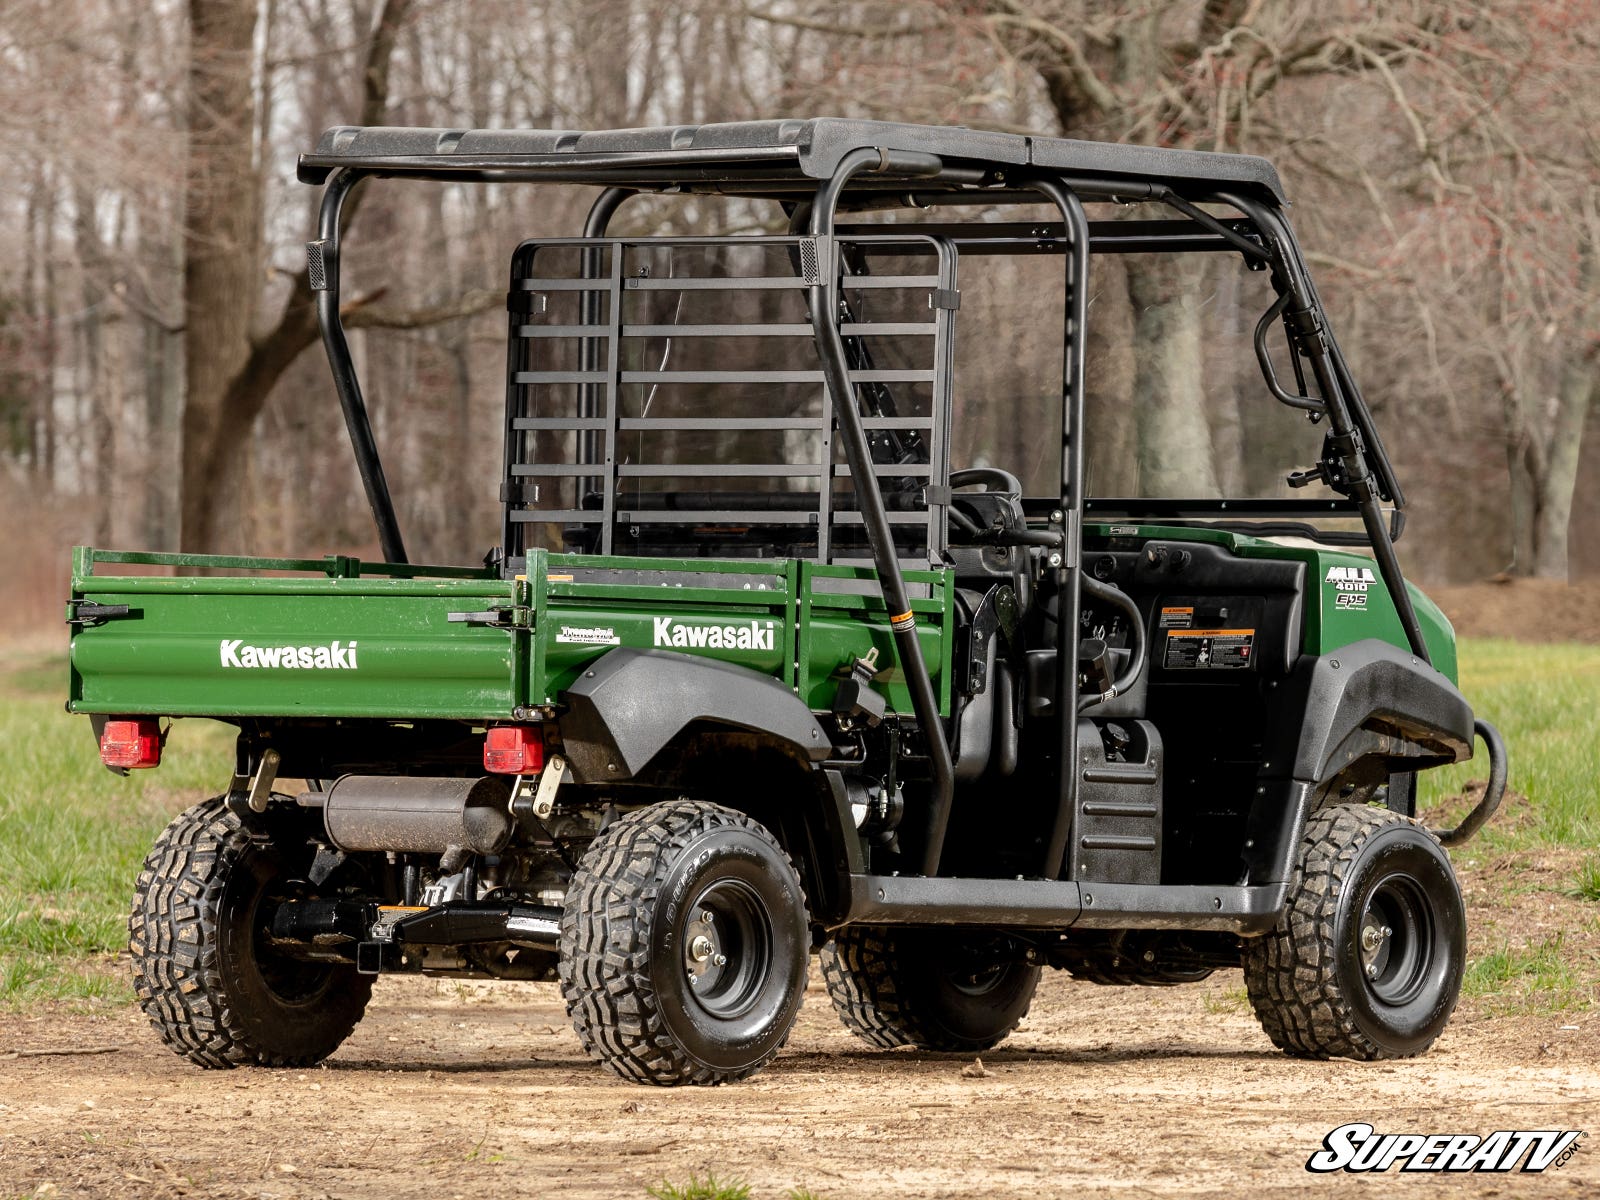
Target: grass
{"type": "Point", "coordinates": [701, 1189]}
{"type": "Point", "coordinates": [72, 836]}
{"type": "Point", "coordinates": [710, 1188]}
{"type": "Point", "coordinates": [1232, 1000]}
{"type": "Point", "coordinates": [1538, 979]}
{"type": "Point", "coordinates": [1589, 878]}
{"type": "Point", "coordinates": [1545, 700]}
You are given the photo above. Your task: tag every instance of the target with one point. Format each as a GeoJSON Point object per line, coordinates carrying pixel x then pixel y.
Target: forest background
{"type": "Point", "coordinates": [162, 387]}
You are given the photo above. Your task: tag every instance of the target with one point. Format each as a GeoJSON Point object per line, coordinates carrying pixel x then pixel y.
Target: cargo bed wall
{"type": "Point", "coordinates": [346, 645]}
{"type": "Point", "coordinates": [350, 645]}
{"type": "Point", "coordinates": [797, 621]}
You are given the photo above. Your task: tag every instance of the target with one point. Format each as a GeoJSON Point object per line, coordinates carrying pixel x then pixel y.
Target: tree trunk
{"type": "Point", "coordinates": [230, 375]}
{"type": "Point", "coordinates": [1545, 443]}
{"type": "Point", "coordinates": [99, 387]}
{"type": "Point", "coordinates": [41, 242]}
{"type": "Point", "coordinates": [1111, 446]}
{"type": "Point", "coordinates": [221, 274]}
{"type": "Point", "coordinates": [1554, 494]}
{"type": "Point", "coordinates": [1173, 433]}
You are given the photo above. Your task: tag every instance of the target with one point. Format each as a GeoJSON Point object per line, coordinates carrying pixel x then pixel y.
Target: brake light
{"type": "Point", "coordinates": [514, 750]}
{"type": "Point", "coordinates": [131, 744]}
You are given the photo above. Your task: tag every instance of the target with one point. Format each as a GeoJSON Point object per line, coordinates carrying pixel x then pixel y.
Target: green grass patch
{"type": "Point", "coordinates": [72, 836]}
{"type": "Point", "coordinates": [1545, 700]}
{"type": "Point", "coordinates": [1540, 979]}
{"type": "Point", "coordinates": [708, 1188]}
{"type": "Point", "coordinates": [1232, 1000]}
{"type": "Point", "coordinates": [1589, 878]}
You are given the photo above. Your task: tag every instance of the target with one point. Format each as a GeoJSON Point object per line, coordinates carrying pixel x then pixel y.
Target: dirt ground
{"type": "Point", "coordinates": [482, 1090]}
{"type": "Point", "coordinates": [447, 1091]}
{"type": "Point", "coordinates": [1527, 610]}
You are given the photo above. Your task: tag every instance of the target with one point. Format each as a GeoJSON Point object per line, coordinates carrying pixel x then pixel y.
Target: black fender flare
{"type": "Point", "coordinates": [1365, 701]}
{"type": "Point", "coordinates": [1372, 699]}
{"type": "Point", "coordinates": [628, 704]}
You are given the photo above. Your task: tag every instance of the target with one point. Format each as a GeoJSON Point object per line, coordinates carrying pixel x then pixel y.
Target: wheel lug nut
{"type": "Point", "coordinates": [705, 916]}
{"type": "Point", "coordinates": [1372, 970]}
{"type": "Point", "coordinates": [1387, 932]}
{"type": "Point", "coordinates": [720, 960]}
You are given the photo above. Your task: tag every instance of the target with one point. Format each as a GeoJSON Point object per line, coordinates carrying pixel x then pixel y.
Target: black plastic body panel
{"type": "Point", "coordinates": [1116, 836]}
{"type": "Point", "coordinates": [1047, 905]}
{"type": "Point", "coordinates": [1205, 577]}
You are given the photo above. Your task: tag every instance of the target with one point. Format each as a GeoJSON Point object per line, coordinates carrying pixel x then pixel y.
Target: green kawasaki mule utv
{"type": "Point", "coordinates": [768, 662]}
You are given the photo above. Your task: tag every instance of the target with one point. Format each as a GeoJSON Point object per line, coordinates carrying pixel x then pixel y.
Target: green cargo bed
{"type": "Point", "coordinates": [337, 637]}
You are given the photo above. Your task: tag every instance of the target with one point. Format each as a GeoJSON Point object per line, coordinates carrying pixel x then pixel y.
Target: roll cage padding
{"type": "Point", "coordinates": [1372, 699]}
{"type": "Point", "coordinates": [625, 708]}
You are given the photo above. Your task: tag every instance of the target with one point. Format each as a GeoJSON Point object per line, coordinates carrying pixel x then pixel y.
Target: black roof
{"type": "Point", "coordinates": [767, 157]}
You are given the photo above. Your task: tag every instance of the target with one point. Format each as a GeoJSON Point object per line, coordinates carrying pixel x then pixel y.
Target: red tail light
{"type": "Point", "coordinates": [514, 750]}
{"type": "Point", "coordinates": [132, 743]}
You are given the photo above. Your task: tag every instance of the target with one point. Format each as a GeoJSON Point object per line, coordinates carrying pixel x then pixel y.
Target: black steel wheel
{"type": "Point", "coordinates": [936, 989]}
{"type": "Point", "coordinates": [683, 945]}
{"type": "Point", "coordinates": [204, 971]}
{"type": "Point", "coordinates": [1366, 961]}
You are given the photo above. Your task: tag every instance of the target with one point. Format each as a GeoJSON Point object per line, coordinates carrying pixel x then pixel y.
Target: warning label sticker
{"type": "Point", "coordinates": [583, 635]}
{"type": "Point", "coordinates": [1177, 618]}
{"type": "Point", "coordinates": [1209, 649]}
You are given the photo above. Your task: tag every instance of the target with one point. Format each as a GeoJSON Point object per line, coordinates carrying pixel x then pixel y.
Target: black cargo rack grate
{"type": "Point", "coordinates": [664, 396]}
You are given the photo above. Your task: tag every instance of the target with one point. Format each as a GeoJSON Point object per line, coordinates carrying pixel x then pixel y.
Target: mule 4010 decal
{"type": "Point", "coordinates": [1351, 585]}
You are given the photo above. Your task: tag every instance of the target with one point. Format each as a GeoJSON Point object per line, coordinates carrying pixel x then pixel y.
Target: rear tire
{"type": "Point", "coordinates": [1366, 960]}
{"type": "Point", "coordinates": [202, 970]}
{"type": "Point", "coordinates": [656, 991]}
{"type": "Point", "coordinates": [930, 988]}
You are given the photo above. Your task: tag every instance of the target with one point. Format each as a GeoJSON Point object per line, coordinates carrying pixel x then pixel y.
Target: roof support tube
{"type": "Point", "coordinates": [323, 256]}
{"type": "Point", "coordinates": [1069, 573]}
{"type": "Point", "coordinates": [823, 297]}
{"type": "Point", "coordinates": [1251, 250]}
{"type": "Point", "coordinates": [589, 349]}
{"type": "Point", "coordinates": [1349, 428]}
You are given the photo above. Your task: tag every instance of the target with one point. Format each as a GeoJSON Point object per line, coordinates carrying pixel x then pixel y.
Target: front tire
{"type": "Point", "coordinates": [936, 989]}
{"type": "Point", "coordinates": [1367, 958]}
{"type": "Point", "coordinates": [684, 942]}
{"type": "Point", "coordinates": [204, 973]}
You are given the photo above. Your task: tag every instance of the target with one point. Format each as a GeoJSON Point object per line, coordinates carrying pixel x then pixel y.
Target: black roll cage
{"type": "Point", "coordinates": [867, 177]}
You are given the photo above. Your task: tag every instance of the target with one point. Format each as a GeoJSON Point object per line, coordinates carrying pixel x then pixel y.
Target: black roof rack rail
{"type": "Point", "coordinates": [763, 157]}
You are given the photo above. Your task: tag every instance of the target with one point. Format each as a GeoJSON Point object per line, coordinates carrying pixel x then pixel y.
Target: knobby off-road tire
{"type": "Point", "coordinates": [202, 971]}
{"type": "Point", "coordinates": [1328, 981]}
{"type": "Point", "coordinates": [929, 988]}
{"type": "Point", "coordinates": [639, 966]}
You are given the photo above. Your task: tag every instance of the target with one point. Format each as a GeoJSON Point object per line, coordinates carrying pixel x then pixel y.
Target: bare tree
{"type": "Point", "coordinates": [1440, 151]}
{"type": "Point", "coordinates": [232, 370]}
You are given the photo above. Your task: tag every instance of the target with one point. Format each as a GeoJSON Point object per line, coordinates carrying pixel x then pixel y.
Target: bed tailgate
{"type": "Point", "coordinates": [358, 642]}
